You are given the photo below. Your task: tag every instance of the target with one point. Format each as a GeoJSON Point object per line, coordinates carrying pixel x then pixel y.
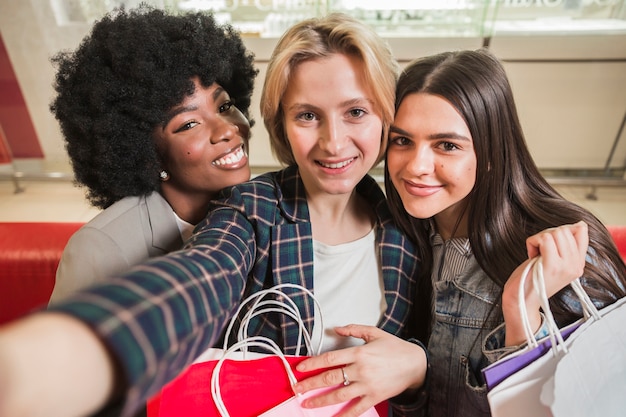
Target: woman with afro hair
{"type": "Point", "coordinates": [154, 111]}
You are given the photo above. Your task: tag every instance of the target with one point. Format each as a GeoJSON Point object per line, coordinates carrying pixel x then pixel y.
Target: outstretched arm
{"type": "Point", "coordinates": [38, 380]}
{"type": "Point", "coordinates": [382, 368]}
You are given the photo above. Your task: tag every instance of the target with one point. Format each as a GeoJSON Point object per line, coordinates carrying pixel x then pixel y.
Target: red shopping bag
{"type": "Point", "coordinates": [249, 388]}
{"type": "Point", "coordinates": [232, 381]}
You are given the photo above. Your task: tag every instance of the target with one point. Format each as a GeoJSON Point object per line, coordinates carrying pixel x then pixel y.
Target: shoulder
{"type": "Point", "coordinates": [263, 192]}
{"type": "Point", "coordinates": [125, 208]}
{"type": "Point", "coordinates": [120, 221]}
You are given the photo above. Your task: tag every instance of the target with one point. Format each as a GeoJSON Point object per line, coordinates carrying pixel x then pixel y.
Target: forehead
{"type": "Point", "coordinates": [336, 76]}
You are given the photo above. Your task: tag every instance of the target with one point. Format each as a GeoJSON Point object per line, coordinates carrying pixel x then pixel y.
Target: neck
{"type": "Point", "coordinates": [452, 222]}
{"type": "Point", "coordinates": [452, 226]}
{"type": "Point", "coordinates": [337, 219]}
{"type": "Point", "coordinates": [191, 207]}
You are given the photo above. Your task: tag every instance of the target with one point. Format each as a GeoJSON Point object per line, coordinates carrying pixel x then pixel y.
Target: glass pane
{"type": "Point", "coordinates": [560, 16]}
{"type": "Point", "coordinates": [418, 17]}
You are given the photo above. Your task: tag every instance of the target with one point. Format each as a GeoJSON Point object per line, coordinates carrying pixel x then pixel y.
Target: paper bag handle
{"type": "Point", "coordinates": [253, 341]}
{"type": "Point", "coordinates": [287, 307]}
{"type": "Point", "coordinates": [589, 309]}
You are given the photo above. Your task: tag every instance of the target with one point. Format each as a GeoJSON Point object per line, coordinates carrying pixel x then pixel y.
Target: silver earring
{"type": "Point", "coordinates": [164, 175]}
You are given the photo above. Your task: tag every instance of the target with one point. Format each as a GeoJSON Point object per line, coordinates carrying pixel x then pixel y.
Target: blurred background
{"type": "Point", "coordinates": [566, 60]}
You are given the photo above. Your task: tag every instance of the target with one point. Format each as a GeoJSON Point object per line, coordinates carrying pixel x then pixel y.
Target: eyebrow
{"type": "Point", "coordinates": [182, 109]}
{"type": "Point", "coordinates": [442, 135]}
{"type": "Point", "coordinates": [396, 129]}
{"type": "Point", "coordinates": [347, 103]}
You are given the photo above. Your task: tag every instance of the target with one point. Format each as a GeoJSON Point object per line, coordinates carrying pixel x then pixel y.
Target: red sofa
{"type": "Point", "coordinates": [30, 253]}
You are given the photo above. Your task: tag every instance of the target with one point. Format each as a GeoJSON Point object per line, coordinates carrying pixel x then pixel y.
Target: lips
{"type": "Point", "coordinates": [421, 190]}
{"type": "Point", "coordinates": [231, 159]}
{"type": "Point", "coordinates": [336, 165]}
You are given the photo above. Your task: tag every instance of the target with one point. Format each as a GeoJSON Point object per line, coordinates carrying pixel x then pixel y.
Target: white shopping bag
{"type": "Point", "coordinates": [583, 375]}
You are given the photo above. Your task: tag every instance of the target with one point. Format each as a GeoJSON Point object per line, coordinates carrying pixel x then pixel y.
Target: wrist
{"type": "Point", "coordinates": [424, 360]}
{"type": "Point", "coordinates": [513, 320]}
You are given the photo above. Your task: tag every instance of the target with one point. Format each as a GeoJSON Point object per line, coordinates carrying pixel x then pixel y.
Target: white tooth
{"type": "Point", "coordinates": [234, 157]}
{"type": "Point", "coordinates": [337, 165]}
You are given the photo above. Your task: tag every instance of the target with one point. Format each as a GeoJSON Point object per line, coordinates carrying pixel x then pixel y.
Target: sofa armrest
{"type": "Point", "coordinates": [29, 256]}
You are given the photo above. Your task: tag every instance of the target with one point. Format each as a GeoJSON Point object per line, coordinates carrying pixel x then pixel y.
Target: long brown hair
{"type": "Point", "coordinates": [510, 200]}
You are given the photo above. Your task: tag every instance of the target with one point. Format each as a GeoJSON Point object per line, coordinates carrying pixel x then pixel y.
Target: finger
{"type": "Point", "coordinates": [328, 378]}
{"type": "Point", "coordinates": [571, 248]}
{"type": "Point", "coordinates": [539, 242]}
{"type": "Point", "coordinates": [367, 333]}
{"type": "Point", "coordinates": [337, 395]}
{"type": "Point", "coordinates": [559, 238]}
{"type": "Point", "coordinates": [342, 356]}
{"type": "Point", "coordinates": [581, 234]}
{"type": "Point", "coordinates": [328, 359]}
{"type": "Point", "coordinates": [563, 250]}
{"type": "Point", "coordinates": [357, 407]}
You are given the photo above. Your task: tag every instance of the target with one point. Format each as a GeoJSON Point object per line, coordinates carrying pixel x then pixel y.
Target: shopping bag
{"type": "Point", "coordinates": [292, 407]}
{"type": "Point", "coordinates": [518, 394]}
{"type": "Point", "coordinates": [252, 383]}
{"type": "Point", "coordinates": [255, 383]}
{"type": "Point", "coordinates": [509, 365]}
{"type": "Point", "coordinates": [590, 380]}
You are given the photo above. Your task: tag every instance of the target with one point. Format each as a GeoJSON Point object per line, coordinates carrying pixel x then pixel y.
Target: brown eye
{"type": "Point", "coordinates": [186, 126]}
{"type": "Point", "coordinates": [399, 141]}
{"type": "Point", "coordinates": [356, 113]}
{"type": "Point", "coordinates": [226, 106]}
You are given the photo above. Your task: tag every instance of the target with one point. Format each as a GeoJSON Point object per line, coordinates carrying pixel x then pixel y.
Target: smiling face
{"type": "Point", "coordinates": [431, 160]}
{"type": "Point", "coordinates": [204, 144]}
{"type": "Point", "coordinates": [332, 124]}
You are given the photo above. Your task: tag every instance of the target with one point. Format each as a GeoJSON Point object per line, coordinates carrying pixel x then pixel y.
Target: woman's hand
{"type": "Point", "coordinates": [53, 365]}
{"type": "Point", "coordinates": [563, 251]}
{"type": "Point", "coordinates": [382, 368]}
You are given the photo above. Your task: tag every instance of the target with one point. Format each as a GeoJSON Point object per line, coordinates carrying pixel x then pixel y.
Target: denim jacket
{"type": "Point", "coordinates": [456, 342]}
{"type": "Point", "coordinates": [467, 335]}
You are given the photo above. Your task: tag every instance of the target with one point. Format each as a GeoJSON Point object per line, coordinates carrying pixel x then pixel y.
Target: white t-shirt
{"type": "Point", "coordinates": [349, 286]}
{"type": "Point", "coordinates": [185, 228]}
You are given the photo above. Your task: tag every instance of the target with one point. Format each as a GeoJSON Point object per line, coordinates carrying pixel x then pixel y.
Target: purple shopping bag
{"type": "Point", "coordinates": [502, 369]}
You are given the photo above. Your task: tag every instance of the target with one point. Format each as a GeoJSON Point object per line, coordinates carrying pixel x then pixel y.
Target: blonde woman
{"type": "Point", "coordinates": [321, 222]}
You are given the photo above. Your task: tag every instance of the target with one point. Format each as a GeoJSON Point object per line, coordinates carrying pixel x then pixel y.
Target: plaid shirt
{"type": "Point", "coordinates": [157, 318]}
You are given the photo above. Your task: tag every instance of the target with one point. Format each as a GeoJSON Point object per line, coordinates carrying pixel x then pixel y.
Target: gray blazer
{"type": "Point", "coordinates": [124, 234]}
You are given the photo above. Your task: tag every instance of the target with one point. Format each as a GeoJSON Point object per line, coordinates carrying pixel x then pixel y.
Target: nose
{"type": "Point", "coordinates": [224, 131]}
{"type": "Point", "coordinates": [333, 137]}
{"type": "Point", "coordinates": [421, 161]}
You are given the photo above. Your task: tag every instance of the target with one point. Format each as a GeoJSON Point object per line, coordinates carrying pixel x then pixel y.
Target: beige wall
{"type": "Point", "coordinates": [570, 90]}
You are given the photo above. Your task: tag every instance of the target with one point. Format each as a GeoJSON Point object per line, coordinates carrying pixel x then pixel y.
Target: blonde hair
{"type": "Point", "coordinates": [313, 38]}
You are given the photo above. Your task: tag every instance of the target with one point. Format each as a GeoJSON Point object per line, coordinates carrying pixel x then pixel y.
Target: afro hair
{"type": "Point", "coordinates": [118, 85]}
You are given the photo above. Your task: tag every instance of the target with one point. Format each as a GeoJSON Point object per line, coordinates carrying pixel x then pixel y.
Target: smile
{"type": "Point", "coordinates": [336, 165]}
{"type": "Point", "coordinates": [232, 158]}
{"type": "Point", "coordinates": [421, 190]}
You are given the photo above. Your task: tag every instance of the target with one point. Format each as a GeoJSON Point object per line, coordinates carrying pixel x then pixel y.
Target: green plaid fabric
{"type": "Point", "coordinates": [162, 314]}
